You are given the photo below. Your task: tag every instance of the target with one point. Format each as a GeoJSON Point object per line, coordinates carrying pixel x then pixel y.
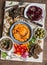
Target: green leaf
{"type": "Point", "coordinates": [32, 40]}
{"type": "Point", "coordinates": [4, 54]}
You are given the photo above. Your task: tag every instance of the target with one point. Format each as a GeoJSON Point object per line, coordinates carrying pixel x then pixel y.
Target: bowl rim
{"type": "Point", "coordinates": [23, 22]}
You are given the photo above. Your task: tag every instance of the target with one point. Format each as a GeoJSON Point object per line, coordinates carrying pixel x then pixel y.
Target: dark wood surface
{"type": "Point", "coordinates": [45, 41]}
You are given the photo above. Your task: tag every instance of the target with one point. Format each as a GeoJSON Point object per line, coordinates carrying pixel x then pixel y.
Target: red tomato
{"type": "Point", "coordinates": [23, 50]}
{"type": "Point", "coordinates": [18, 53]}
{"type": "Point", "coordinates": [15, 45]}
{"type": "Point", "coordinates": [14, 52]}
{"type": "Point", "coordinates": [19, 47]}
{"type": "Point", "coordinates": [17, 50]}
{"type": "Point", "coordinates": [25, 47]}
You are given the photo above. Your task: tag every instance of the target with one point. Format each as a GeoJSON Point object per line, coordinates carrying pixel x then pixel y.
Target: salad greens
{"type": "Point", "coordinates": [4, 54]}
{"type": "Point", "coordinates": [32, 41]}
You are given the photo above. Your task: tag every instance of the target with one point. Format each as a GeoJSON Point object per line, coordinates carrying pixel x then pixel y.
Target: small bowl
{"type": "Point", "coordinates": [21, 22]}
{"type": "Point", "coordinates": [11, 43]}
{"type": "Point", "coordinates": [38, 5]}
{"type": "Point", "coordinates": [44, 34]}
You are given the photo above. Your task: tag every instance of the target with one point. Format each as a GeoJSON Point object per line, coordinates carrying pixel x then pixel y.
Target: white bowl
{"type": "Point", "coordinates": [38, 5]}
{"type": "Point", "coordinates": [40, 28]}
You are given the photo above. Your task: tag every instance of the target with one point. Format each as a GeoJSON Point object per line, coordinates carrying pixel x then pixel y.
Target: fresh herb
{"type": "Point", "coordinates": [32, 41]}
{"type": "Point", "coordinates": [4, 54]}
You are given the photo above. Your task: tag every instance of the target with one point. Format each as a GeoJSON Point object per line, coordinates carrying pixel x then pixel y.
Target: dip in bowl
{"type": "Point", "coordinates": [21, 32]}
{"type": "Point", "coordinates": [6, 44]}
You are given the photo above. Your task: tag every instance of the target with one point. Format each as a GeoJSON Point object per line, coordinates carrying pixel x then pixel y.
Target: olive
{"type": "Point", "coordinates": [39, 33]}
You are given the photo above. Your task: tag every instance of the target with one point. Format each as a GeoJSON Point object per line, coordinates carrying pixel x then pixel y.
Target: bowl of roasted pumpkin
{"type": "Point", "coordinates": [21, 32]}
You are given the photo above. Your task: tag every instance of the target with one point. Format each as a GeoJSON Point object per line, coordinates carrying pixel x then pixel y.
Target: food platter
{"type": "Point", "coordinates": [22, 39]}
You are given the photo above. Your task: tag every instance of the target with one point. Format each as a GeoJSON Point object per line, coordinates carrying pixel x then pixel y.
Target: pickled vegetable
{"type": "Point", "coordinates": [40, 33]}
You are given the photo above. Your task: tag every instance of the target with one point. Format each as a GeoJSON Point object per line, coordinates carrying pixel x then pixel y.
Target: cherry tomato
{"type": "Point", "coordinates": [19, 47]}
{"type": "Point", "coordinates": [18, 53]}
{"type": "Point", "coordinates": [18, 50]}
{"type": "Point", "coordinates": [23, 50]}
{"type": "Point", "coordinates": [14, 52]}
{"type": "Point", "coordinates": [15, 45]}
{"type": "Point", "coordinates": [25, 47]}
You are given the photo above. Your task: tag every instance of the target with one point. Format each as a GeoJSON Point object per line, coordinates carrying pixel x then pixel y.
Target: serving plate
{"type": "Point", "coordinates": [9, 24]}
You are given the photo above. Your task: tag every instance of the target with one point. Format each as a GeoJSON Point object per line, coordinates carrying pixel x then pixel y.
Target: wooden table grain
{"type": "Point", "coordinates": [7, 62]}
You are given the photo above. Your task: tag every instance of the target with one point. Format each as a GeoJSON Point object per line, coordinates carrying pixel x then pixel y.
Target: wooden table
{"type": "Point", "coordinates": [45, 41]}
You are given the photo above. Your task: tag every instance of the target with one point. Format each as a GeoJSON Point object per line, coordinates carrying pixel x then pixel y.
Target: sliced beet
{"type": "Point", "coordinates": [34, 13]}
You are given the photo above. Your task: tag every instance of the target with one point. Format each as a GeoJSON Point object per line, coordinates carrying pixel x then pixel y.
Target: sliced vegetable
{"type": "Point", "coordinates": [21, 49]}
